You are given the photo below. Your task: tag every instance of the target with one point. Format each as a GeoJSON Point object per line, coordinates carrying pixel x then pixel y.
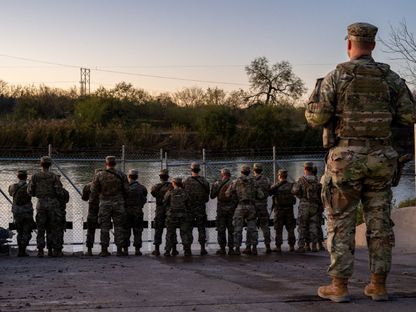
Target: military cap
{"type": "Point", "coordinates": [282, 171]}
{"type": "Point", "coordinates": [109, 159]}
{"type": "Point", "coordinates": [177, 180]}
{"type": "Point", "coordinates": [257, 167]}
{"type": "Point", "coordinates": [22, 172]}
{"type": "Point", "coordinates": [164, 172]}
{"type": "Point", "coordinates": [245, 168]}
{"type": "Point", "coordinates": [45, 160]}
{"type": "Point", "coordinates": [133, 172]}
{"type": "Point", "coordinates": [225, 171]}
{"type": "Point", "coordinates": [308, 164]}
{"type": "Point", "coordinates": [195, 165]}
{"type": "Point", "coordinates": [362, 32]}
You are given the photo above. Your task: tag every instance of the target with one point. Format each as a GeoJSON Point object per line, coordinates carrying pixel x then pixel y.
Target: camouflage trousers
{"type": "Point", "coordinates": [284, 217]}
{"type": "Point", "coordinates": [199, 218]}
{"type": "Point", "coordinates": [92, 224]}
{"type": "Point", "coordinates": [320, 231]}
{"type": "Point", "coordinates": [308, 222]}
{"type": "Point", "coordinates": [263, 220]}
{"type": "Point", "coordinates": [181, 221]}
{"type": "Point", "coordinates": [352, 175]}
{"type": "Point", "coordinates": [224, 223]}
{"type": "Point", "coordinates": [50, 219]}
{"type": "Point", "coordinates": [134, 223]}
{"type": "Point", "coordinates": [112, 210]}
{"type": "Point", "coordinates": [159, 224]}
{"type": "Point", "coordinates": [245, 212]}
{"type": "Point", "coordinates": [23, 220]}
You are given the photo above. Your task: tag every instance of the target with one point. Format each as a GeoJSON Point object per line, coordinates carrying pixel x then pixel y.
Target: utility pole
{"type": "Point", "coordinates": [85, 81]}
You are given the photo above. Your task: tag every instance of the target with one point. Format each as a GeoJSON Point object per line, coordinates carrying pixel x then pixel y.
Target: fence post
{"type": "Point", "coordinates": [123, 158]}
{"type": "Point", "coordinates": [50, 150]}
{"type": "Point", "coordinates": [161, 158]}
{"type": "Point", "coordinates": [274, 164]}
{"type": "Point", "coordinates": [204, 165]}
{"type": "Point", "coordinates": [166, 160]}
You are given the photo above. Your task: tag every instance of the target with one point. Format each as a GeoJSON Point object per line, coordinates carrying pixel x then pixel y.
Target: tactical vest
{"type": "Point", "coordinates": [246, 189]}
{"type": "Point", "coordinates": [198, 189]}
{"type": "Point", "coordinates": [178, 201]}
{"type": "Point", "coordinates": [20, 195]}
{"type": "Point", "coordinates": [111, 183]}
{"type": "Point", "coordinates": [161, 189]}
{"type": "Point", "coordinates": [136, 197]}
{"type": "Point", "coordinates": [222, 197]}
{"type": "Point", "coordinates": [45, 184]}
{"type": "Point", "coordinates": [363, 108]}
{"type": "Point", "coordinates": [312, 190]}
{"type": "Point", "coordinates": [284, 197]}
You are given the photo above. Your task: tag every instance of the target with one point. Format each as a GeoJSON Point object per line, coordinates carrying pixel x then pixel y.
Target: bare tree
{"type": "Point", "coordinates": [269, 83]}
{"type": "Point", "coordinates": [402, 44]}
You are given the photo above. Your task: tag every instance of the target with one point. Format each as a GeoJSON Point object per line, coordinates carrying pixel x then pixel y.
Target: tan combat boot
{"type": "Point", "coordinates": [291, 248]}
{"type": "Point", "coordinates": [376, 289]}
{"type": "Point", "coordinates": [89, 252]}
{"type": "Point", "coordinates": [247, 251]}
{"type": "Point", "coordinates": [278, 248]}
{"type": "Point", "coordinates": [314, 247]}
{"type": "Point", "coordinates": [307, 247]}
{"type": "Point", "coordinates": [156, 252]}
{"type": "Point", "coordinates": [268, 249]}
{"type": "Point", "coordinates": [337, 291]}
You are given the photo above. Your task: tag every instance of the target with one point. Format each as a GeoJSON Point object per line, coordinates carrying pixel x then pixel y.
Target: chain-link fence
{"type": "Point", "coordinates": [77, 167]}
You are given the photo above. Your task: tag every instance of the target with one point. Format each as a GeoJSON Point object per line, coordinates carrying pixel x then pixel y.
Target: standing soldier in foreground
{"type": "Point", "coordinates": [261, 206]}
{"type": "Point", "coordinates": [246, 191]}
{"type": "Point", "coordinates": [357, 104]}
{"type": "Point", "coordinates": [283, 201]}
{"type": "Point", "coordinates": [136, 199]}
{"type": "Point", "coordinates": [92, 218]}
{"type": "Point", "coordinates": [225, 212]}
{"type": "Point", "coordinates": [178, 215]}
{"type": "Point", "coordinates": [158, 191]}
{"type": "Point", "coordinates": [46, 186]}
{"type": "Point", "coordinates": [112, 187]}
{"type": "Point", "coordinates": [198, 190]}
{"type": "Point", "coordinates": [22, 209]}
{"type": "Point", "coordinates": [308, 190]}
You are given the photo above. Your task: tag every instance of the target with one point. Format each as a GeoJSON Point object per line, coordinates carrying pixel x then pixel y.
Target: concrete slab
{"type": "Point", "coordinates": [279, 282]}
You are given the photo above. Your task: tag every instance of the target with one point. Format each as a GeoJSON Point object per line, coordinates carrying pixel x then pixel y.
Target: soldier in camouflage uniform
{"type": "Point", "coordinates": [225, 212]}
{"type": "Point", "coordinates": [283, 201]}
{"type": "Point", "coordinates": [357, 104]}
{"type": "Point", "coordinates": [308, 190]}
{"type": "Point", "coordinates": [112, 187]}
{"type": "Point", "coordinates": [46, 186]}
{"type": "Point", "coordinates": [321, 217]}
{"type": "Point", "coordinates": [60, 224]}
{"type": "Point", "coordinates": [198, 190]}
{"type": "Point", "coordinates": [246, 191]}
{"type": "Point", "coordinates": [261, 206]}
{"type": "Point", "coordinates": [22, 209]}
{"type": "Point", "coordinates": [136, 199]}
{"type": "Point", "coordinates": [92, 217]}
{"type": "Point", "coordinates": [158, 191]}
{"type": "Point", "coordinates": [178, 215]}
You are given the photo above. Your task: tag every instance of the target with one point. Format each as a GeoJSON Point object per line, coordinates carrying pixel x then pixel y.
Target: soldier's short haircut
{"type": "Point", "coordinates": [22, 176]}
{"type": "Point", "coordinates": [111, 163]}
{"type": "Point", "coordinates": [133, 176]}
{"type": "Point", "coordinates": [45, 164]}
{"type": "Point", "coordinates": [363, 45]}
{"type": "Point", "coordinates": [164, 177]}
{"type": "Point", "coordinates": [196, 170]}
{"type": "Point", "coordinates": [258, 170]}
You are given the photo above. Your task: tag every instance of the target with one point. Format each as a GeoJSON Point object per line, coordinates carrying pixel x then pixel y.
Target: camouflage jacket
{"type": "Point", "coordinates": [324, 104]}
{"type": "Point", "coordinates": [136, 198]}
{"type": "Point", "coordinates": [218, 190]}
{"type": "Point", "coordinates": [308, 190]}
{"type": "Point", "coordinates": [177, 202]}
{"type": "Point", "coordinates": [110, 184]}
{"type": "Point", "coordinates": [245, 189]}
{"type": "Point", "coordinates": [87, 195]}
{"type": "Point", "coordinates": [45, 184]}
{"type": "Point", "coordinates": [19, 193]}
{"type": "Point", "coordinates": [198, 190]}
{"type": "Point", "coordinates": [282, 195]}
{"type": "Point", "coordinates": [159, 190]}
{"type": "Point", "coordinates": [264, 184]}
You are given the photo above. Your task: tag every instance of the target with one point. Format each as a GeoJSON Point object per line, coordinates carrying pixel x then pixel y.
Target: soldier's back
{"type": "Point", "coordinates": [159, 190]}
{"type": "Point", "coordinates": [110, 183]}
{"type": "Point", "coordinates": [198, 189]}
{"type": "Point", "coordinates": [44, 184]}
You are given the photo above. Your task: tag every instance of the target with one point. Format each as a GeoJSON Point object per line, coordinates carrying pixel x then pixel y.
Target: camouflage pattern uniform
{"type": "Point", "coordinates": [158, 191]}
{"type": "Point", "coordinates": [46, 186]}
{"type": "Point", "coordinates": [261, 205]}
{"type": "Point", "coordinates": [178, 215]}
{"type": "Point", "coordinates": [283, 201]}
{"type": "Point", "coordinates": [92, 217]}
{"type": "Point", "coordinates": [363, 98]}
{"type": "Point", "coordinates": [112, 187]}
{"type": "Point", "coordinates": [307, 189]}
{"type": "Point", "coordinates": [246, 191]}
{"type": "Point", "coordinates": [22, 209]}
{"type": "Point", "coordinates": [225, 212]}
{"type": "Point", "coordinates": [136, 199]}
{"type": "Point", "coordinates": [198, 190]}
{"type": "Point", "coordinates": [63, 199]}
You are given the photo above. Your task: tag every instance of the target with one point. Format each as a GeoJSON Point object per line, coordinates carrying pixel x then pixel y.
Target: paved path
{"type": "Point", "coordinates": [284, 282]}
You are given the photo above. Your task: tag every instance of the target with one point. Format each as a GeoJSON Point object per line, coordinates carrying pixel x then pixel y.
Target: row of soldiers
{"type": "Point", "coordinates": [114, 197]}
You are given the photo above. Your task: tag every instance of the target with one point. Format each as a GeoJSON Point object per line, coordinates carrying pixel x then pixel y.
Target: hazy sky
{"type": "Point", "coordinates": [210, 40]}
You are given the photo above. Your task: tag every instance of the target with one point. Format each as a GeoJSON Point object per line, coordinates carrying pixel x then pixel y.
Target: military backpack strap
{"type": "Point", "coordinates": [202, 184]}
{"type": "Point", "coordinates": [18, 188]}
{"type": "Point", "coordinates": [121, 181]}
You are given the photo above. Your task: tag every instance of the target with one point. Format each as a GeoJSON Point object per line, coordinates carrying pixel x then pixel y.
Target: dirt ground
{"type": "Point", "coordinates": [277, 282]}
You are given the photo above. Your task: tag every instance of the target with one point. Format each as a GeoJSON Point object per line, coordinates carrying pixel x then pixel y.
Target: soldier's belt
{"type": "Point", "coordinates": [364, 142]}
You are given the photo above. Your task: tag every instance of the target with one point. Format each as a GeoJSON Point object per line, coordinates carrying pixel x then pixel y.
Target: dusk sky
{"type": "Point", "coordinates": [209, 40]}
